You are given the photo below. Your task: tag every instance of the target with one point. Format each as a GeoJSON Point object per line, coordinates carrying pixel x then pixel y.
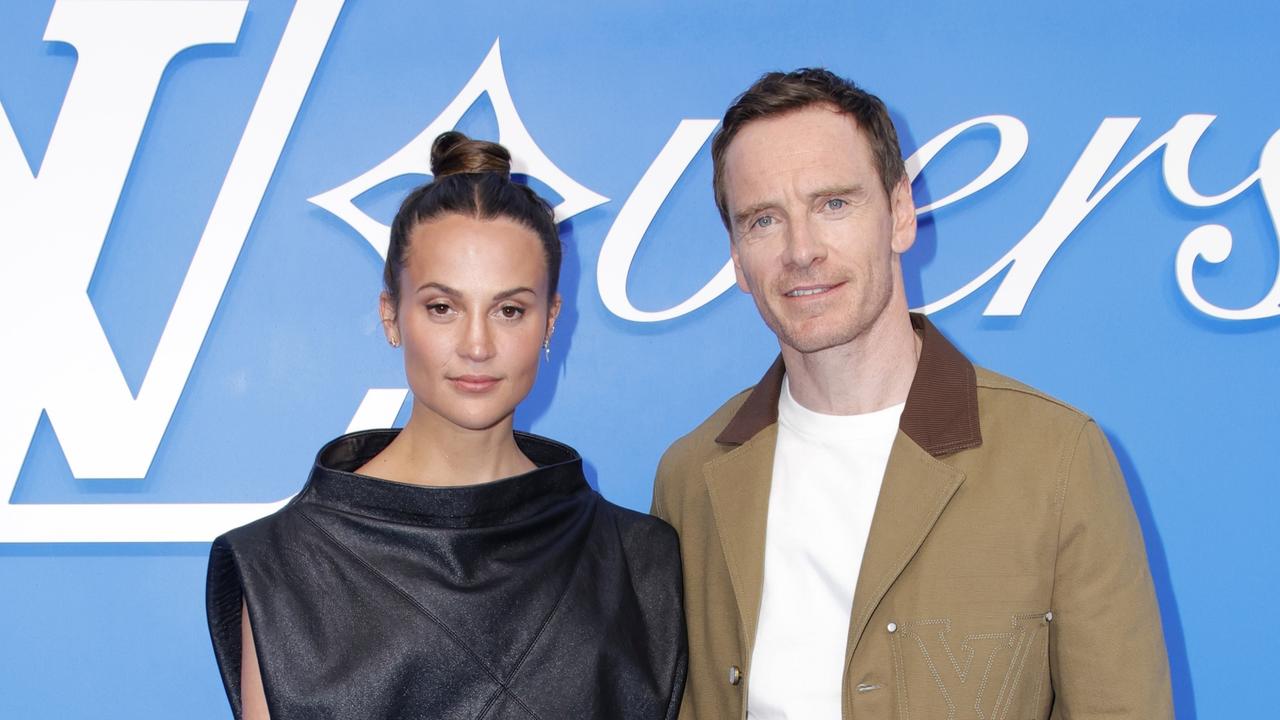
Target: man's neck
{"type": "Point", "coordinates": [872, 372]}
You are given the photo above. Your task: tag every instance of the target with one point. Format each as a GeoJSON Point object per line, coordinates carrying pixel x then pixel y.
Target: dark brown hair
{"type": "Point", "coordinates": [472, 178]}
{"type": "Point", "coordinates": [777, 93]}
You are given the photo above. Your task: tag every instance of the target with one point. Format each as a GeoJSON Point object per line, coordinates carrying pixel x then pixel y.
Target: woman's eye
{"type": "Point", "coordinates": [836, 203]}
{"type": "Point", "coordinates": [511, 312]}
{"type": "Point", "coordinates": [438, 309]}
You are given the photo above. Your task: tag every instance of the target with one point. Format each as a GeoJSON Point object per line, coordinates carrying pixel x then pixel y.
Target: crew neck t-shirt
{"type": "Point", "coordinates": [827, 472]}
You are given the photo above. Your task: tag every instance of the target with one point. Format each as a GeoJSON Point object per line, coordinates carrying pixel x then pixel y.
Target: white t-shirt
{"type": "Point", "coordinates": [827, 471]}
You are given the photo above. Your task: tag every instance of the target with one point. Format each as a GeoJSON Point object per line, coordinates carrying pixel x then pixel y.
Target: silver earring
{"type": "Point", "coordinates": [546, 347]}
{"type": "Point", "coordinates": [395, 342]}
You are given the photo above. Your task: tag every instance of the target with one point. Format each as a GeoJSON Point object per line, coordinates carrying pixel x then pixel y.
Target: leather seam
{"type": "Point", "coordinates": [546, 621]}
{"type": "Point", "coordinates": [502, 687]}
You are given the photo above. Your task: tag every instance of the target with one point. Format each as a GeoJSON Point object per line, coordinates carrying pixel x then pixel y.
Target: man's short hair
{"type": "Point", "coordinates": [778, 93]}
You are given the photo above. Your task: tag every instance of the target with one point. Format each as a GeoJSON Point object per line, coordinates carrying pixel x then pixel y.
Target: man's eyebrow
{"type": "Point", "coordinates": [833, 190]}
{"type": "Point", "coordinates": [745, 214]}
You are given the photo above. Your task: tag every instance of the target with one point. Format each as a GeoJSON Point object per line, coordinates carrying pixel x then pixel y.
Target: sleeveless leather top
{"type": "Point", "coordinates": [528, 597]}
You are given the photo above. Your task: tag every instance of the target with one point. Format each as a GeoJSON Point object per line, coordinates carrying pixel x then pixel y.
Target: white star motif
{"type": "Point", "coordinates": [526, 157]}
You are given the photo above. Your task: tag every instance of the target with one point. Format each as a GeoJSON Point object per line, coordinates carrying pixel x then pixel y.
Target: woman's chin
{"type": "Point", "coordinates": [478, 419]}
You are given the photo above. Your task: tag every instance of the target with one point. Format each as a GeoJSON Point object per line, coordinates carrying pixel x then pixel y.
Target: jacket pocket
{"type": "Point", "coordinates": [972, 660]}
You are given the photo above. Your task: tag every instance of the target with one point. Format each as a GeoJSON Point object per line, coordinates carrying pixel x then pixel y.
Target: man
{"type": "Point", "coordinates": [878, 529]}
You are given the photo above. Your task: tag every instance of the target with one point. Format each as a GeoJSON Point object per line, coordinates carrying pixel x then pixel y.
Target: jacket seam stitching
{"type": "Point", "coordinates": [939, 504]}
{"type": "Point", "coordinates": [1066, 460]}
{"type": "Point", "coordinates": [1030, 392]}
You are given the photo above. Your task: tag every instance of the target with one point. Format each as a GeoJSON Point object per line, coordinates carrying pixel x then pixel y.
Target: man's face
{"type": "Point", "coordinates": [814, 240]}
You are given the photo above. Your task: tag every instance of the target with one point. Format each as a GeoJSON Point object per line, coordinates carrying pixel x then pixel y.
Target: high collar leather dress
{"type": "Point", "coordinates": [527, 597]}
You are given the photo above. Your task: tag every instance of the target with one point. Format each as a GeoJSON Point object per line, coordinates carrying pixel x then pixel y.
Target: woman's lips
{"type": "Point", "coordinates": [474, 383]}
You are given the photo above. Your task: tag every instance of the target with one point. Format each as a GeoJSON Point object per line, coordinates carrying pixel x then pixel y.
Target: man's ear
{"type": "Point", "coordinates": [903, 208]}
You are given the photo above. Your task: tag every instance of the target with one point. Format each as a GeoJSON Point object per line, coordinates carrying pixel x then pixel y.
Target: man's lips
{"type": "Point", "coordinates": [806, 291]}
{"type": "Point", "coordinates": [474, 383]}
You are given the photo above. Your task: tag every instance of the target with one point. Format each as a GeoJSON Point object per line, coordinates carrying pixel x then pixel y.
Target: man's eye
{"type": "Point", "coordinates": [836, 203]}
{"type": "Point", "coordinates": [763, 222]}
{"type": "Point", "coordinates": [511, 312]}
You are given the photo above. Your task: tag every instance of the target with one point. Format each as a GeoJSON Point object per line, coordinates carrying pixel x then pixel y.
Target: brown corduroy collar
{"type": "Point", "coordinates": [941, 414]}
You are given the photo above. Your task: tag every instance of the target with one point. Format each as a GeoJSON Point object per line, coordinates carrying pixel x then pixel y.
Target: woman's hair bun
{"type": "Point", "coordinates": [453, 153]}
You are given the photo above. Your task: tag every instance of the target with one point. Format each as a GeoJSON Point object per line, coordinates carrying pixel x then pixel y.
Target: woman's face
{"type": "Point", "coordinates": [473, 313]}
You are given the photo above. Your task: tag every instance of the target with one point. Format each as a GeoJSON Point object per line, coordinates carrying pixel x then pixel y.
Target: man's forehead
{"type": "Point", "coordinates": [808, 145]}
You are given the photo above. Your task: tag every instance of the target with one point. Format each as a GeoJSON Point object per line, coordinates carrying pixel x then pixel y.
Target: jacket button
{"type": "Point", "coordinates": [735, 675]}
{"type": "Point", "coordinates": [1048, 617]}
{"type": "Point", "coordinates": [892, 627]}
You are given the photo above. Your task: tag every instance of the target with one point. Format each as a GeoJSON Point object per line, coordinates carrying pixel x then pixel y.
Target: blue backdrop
{"type": "Point", "coordinates": [192, 196]}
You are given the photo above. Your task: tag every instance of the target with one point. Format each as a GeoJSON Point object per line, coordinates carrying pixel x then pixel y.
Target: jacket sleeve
{"type": "Point", "coordinates": [1106, 645]}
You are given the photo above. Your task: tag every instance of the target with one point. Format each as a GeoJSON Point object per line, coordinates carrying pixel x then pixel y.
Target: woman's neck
{"type": "Point", "coordinates": [433, 451]}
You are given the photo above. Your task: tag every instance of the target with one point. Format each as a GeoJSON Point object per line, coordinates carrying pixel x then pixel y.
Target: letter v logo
{"type": "Point", "coordinates": [66, 368]}
{"type": "Point", "coordinates": [976, 675]}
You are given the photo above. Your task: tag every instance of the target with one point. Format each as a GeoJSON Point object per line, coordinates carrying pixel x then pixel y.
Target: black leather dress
{"type": "Point", "coordinates": [528, 597]}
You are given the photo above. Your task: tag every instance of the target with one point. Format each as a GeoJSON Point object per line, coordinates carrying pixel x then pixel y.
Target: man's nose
{"type": "Point", "coordinates": [804, 246]}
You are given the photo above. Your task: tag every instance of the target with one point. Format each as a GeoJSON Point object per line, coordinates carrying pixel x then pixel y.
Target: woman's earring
{"type": "Point", "coordinates": [546, 346]}
{"type": "Point", "coordinates": [394, 342]}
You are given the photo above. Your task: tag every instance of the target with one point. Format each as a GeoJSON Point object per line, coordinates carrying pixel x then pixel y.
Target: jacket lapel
{"type": "Point", "coordinates": [738, 485]}
{"type": "Point", "coordinates": [915, 490]}
{"type": "Point", "coordinates": [940, 418]}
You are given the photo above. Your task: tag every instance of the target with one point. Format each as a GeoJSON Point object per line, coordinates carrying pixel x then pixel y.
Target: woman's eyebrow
{"type": "Point", "coordinates": [440, 287]}
{"type": "Point", "coordinates": [514, 291]}
{"type": "Point", "coordinates": [455, 293]}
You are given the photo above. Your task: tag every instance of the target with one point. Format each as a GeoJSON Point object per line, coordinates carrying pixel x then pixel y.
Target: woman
{"type": "Point", "coordinates": [455, 568]}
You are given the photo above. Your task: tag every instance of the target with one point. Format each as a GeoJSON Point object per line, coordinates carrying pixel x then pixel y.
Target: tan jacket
{"type": "Point", "coordinates": [1004, 576]}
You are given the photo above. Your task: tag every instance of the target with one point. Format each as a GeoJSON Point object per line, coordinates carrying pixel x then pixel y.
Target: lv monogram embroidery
{"type": "Point", "coordinates": [982, 672]}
